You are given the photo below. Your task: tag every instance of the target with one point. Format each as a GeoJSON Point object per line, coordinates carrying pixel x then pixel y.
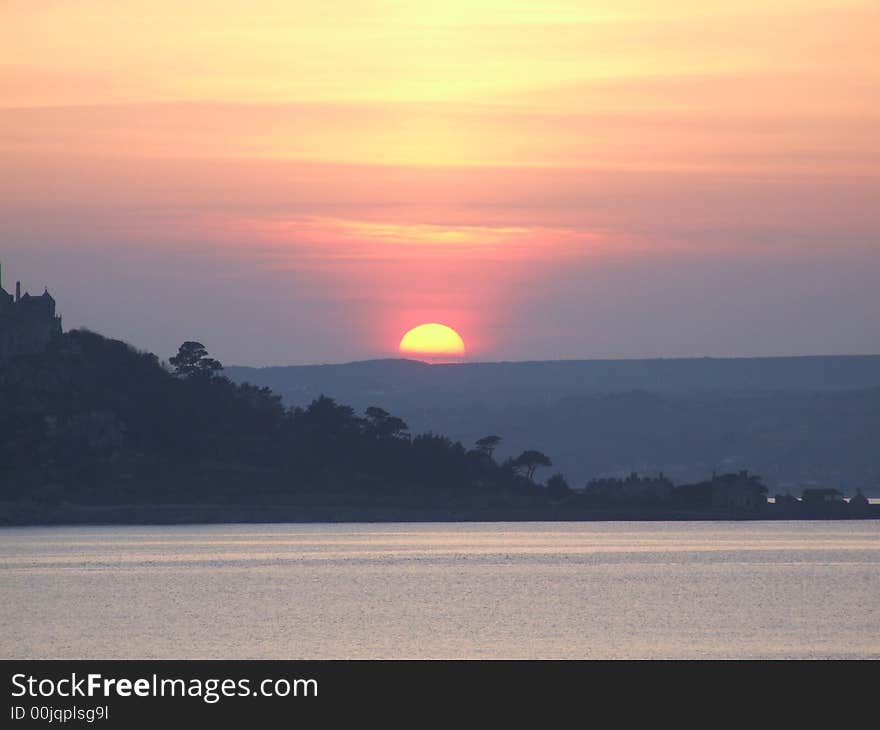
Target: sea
{"type": "Point", "coordinates": [545, 590]}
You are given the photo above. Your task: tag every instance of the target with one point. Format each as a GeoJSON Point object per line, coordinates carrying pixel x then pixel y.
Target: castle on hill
{"type": "Point", "coordinates": [27, 323]}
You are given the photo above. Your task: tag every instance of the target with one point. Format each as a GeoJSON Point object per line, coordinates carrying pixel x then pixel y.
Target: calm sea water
{"type": "Point", "coordinates": [509, 590]}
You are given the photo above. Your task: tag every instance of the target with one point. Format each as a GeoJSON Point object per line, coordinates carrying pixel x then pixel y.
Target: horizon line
{"type": "Point", "coordinates": [551, 360]}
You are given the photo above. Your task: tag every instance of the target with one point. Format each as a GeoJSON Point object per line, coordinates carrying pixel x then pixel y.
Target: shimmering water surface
{"type": "Point", "coordinates": [500, 590]}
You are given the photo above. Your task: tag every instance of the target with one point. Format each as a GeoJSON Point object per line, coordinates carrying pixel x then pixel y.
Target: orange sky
{"type": "Point", "coordinates": [342, 171]}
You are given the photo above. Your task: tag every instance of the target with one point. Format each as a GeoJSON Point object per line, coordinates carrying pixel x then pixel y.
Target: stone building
{"type": "Point", "coordinates": [27, 323]}
{"type": "Point", "coordinates": [741, 491]}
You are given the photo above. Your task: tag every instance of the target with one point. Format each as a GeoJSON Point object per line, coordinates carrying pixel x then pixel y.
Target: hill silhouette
{"type": "Point", "coordinates": [95, 421]}
{"type": "Point", "coordinates": [536, 381]}
{"type": "Point", "coordinates": [93, 430]}
{"type": "Point", "coordinates": [795, 420]}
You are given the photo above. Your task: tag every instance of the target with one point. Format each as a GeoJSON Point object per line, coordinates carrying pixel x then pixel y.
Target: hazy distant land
{"type": "Point", "coordinates": [797, 421]}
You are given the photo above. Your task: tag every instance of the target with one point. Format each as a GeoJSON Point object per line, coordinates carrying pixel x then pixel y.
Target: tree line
{"type": "Point", "coordinates": [95, 419]}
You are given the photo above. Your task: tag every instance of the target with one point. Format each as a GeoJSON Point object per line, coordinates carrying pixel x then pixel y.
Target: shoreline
{"type": "Point", "coordinates": [18, 515]}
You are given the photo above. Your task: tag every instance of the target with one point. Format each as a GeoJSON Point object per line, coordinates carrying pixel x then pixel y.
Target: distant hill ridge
{"type": "Point", "coordinates": [794, 420]}
{"type": "Point", "coordinates": [560, 378]}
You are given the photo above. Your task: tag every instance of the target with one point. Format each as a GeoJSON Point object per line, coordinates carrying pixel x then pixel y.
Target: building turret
{"type": "Point", "coordinates": [6, 299]}
{"type": "Point", "coordinates": [27, 324]}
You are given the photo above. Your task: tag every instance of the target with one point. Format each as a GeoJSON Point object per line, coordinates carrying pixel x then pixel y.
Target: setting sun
{"type": "Point", "coordinates": [432, 340]}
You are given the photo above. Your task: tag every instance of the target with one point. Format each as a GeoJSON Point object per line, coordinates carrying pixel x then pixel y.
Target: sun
{"type": "Point", "coordinates": [433, 341]}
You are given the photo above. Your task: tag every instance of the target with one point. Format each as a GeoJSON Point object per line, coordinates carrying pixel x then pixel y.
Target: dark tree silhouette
{"type": "Point", "coordinates": [330, 415]}
{"type": "Point", "coordinates": [383, 425]}
{"type": "Point", "coordinates": [557, 487]}
{"type": "Point", "coordinates": [108, 415]}
{"type": "Point", "coordinates": [192, 360]}
{"type": "Point", "coordinates": [488, 444]}
{"type": "Point", "coordinates": [528, 461]}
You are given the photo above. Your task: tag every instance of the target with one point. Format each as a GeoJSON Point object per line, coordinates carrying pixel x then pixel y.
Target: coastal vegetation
{"type": "Point", "coordinates": [93, 426]}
